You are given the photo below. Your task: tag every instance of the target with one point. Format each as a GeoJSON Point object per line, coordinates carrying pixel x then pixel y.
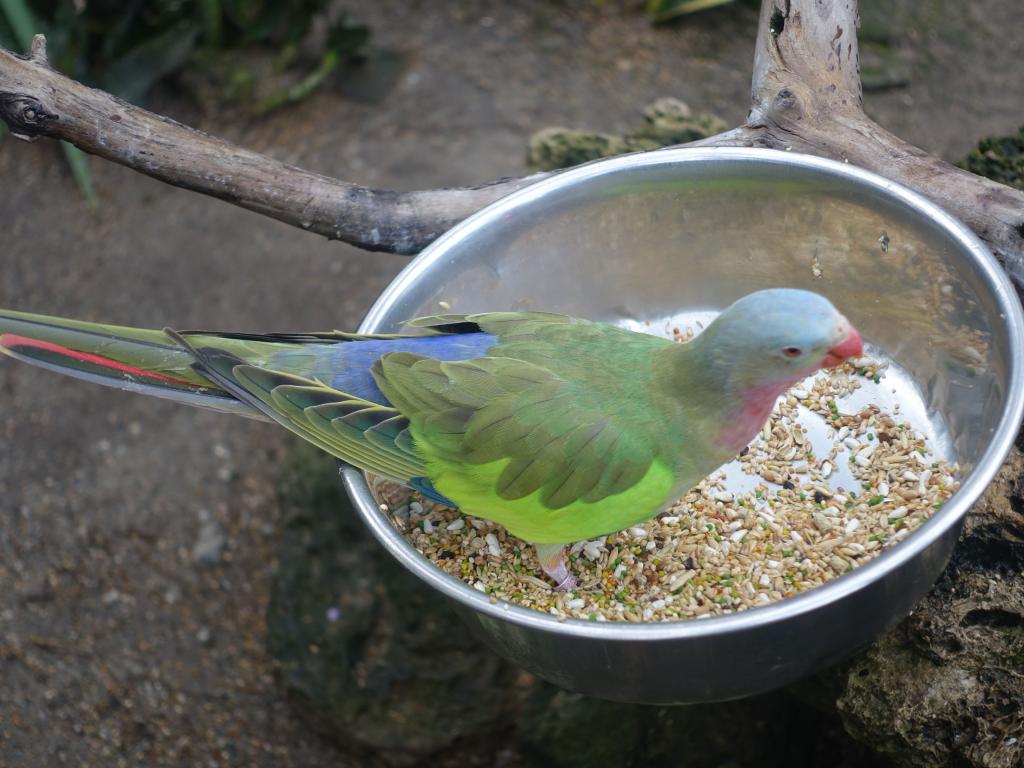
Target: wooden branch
{"type": "Point", "coordinates": [806, 96]}
{"type": "Point", "coordinates": [809, 46]}
{"type": "Point", "coordinates": [37, 101]}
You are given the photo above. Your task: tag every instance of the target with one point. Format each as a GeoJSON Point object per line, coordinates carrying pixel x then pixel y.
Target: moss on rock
{"type": "Point", "coordinates": [558, 147]}
{"type": "Point", "coordinates": [666, 122]}
{"type": "Point", "coordinates": [669, 121]}
{"type": "Point", "coordinates": [1000, 159]}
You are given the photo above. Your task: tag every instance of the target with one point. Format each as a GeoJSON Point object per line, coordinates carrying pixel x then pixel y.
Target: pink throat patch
{"type": "Point", "coordinates": [757, 405]}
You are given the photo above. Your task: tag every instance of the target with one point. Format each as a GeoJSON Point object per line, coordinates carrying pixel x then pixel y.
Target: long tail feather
{"type": "Point", "coordinates": [132, 359]}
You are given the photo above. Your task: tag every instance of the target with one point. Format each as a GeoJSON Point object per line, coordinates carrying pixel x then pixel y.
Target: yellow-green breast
{"type": "Point", "coordinates": [472, 488]}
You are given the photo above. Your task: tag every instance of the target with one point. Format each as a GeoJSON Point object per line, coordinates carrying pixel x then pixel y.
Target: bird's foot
{"type": "Point", "coordinates": [566, 584]}
{"type": "Point", "coordinates": [552, 560]}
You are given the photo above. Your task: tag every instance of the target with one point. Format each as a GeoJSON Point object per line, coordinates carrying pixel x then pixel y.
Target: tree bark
{"type": "Point", "coordinates": [806, 96]}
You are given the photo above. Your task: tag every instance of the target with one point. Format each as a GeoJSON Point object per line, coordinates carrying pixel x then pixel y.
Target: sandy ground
{"type": "Point", "coordinates": [116, 647]}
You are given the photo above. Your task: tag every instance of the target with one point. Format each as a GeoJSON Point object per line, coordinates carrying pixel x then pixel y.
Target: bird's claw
{"type": "Point", "coordinates": [552, 560]}
{"type": "Point", "coordinates": [569, 582]}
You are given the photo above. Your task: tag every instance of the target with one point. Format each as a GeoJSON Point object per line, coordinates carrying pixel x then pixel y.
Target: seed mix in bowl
{"type": "Point", "coordinates": [827, 485]}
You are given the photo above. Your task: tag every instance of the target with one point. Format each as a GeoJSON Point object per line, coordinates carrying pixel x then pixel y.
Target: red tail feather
{"type": "Point", "coordinates": [13, 341]}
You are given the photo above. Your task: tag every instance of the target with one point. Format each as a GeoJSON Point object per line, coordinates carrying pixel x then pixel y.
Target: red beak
{"type": "Point", "coordinates": [851, 346]}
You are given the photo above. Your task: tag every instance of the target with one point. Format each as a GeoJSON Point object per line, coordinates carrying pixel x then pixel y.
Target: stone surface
{"type": "Point", "coordinates": [209, 546]}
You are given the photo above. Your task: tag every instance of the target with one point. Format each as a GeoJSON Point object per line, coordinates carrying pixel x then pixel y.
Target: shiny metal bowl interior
{"type": "Point", "coordinates": [653, 235]}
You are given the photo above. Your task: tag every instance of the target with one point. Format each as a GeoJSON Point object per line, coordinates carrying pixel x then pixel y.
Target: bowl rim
{"type": "Point", "coordinates": [807, 602]}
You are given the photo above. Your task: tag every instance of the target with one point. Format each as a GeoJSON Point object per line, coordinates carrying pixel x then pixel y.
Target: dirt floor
{"type": "Point", "coordinates": [117, 647]}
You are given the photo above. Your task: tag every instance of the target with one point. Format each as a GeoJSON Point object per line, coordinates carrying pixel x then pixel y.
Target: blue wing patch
{"type": "Point", "coordinates": [424, 486]}
{"type": "Point", "coordinates": [346, 366]}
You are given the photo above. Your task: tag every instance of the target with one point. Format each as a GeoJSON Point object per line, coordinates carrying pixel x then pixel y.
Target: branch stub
{"type": "Point", "coordinates": [39, 50]}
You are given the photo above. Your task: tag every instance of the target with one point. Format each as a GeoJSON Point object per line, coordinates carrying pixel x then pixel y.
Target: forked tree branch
{"type": "Point", "coordinates": [806, 96]}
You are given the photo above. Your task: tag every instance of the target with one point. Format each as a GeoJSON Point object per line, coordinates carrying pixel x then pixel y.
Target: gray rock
{"type": "Point", "coordinates": [209, 547]}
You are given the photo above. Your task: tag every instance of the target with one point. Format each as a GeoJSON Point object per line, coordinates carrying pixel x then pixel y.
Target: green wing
{"type": "Point", "coordinates": [550, 403]}
{"type": "Point", "coordinates": [559, 437]}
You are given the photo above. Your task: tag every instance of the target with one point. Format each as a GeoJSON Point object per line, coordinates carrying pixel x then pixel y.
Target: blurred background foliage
{"type": "Point", "coordinates": [126, 46]}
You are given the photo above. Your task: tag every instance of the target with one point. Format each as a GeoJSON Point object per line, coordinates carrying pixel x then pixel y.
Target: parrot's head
{"type": "Point", "coordinates": [785, 332]}
{"type": "Point", "coordinates": [767, 341]}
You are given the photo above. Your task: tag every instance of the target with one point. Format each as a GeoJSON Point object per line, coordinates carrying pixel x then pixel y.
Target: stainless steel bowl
{"type": "Point", "coordinates": [653, 235]}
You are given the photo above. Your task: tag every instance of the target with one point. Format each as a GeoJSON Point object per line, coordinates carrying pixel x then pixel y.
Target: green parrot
{"type": "Point", "coordinates": [558, 428]}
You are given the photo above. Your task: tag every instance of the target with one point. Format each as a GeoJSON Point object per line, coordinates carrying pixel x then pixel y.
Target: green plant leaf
{"type": "Point", "coordinates": [79, 164]}
{"type": "Point", "coordinates": [663, 10]}
{"type": "Point", "coordinates": [213, 23]}
{"type": "Point", "coordinates": [6, 35]}
{"type": "Point", "coordinates": [131, 76]}
{"type": "Point", "coordinates": [22, 22]}
{"type": "Point", "coordinates": [304, 87]}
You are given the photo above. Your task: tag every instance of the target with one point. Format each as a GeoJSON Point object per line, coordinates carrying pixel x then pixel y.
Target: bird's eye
{"type": "Point", "coordinates": [791, 351]}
